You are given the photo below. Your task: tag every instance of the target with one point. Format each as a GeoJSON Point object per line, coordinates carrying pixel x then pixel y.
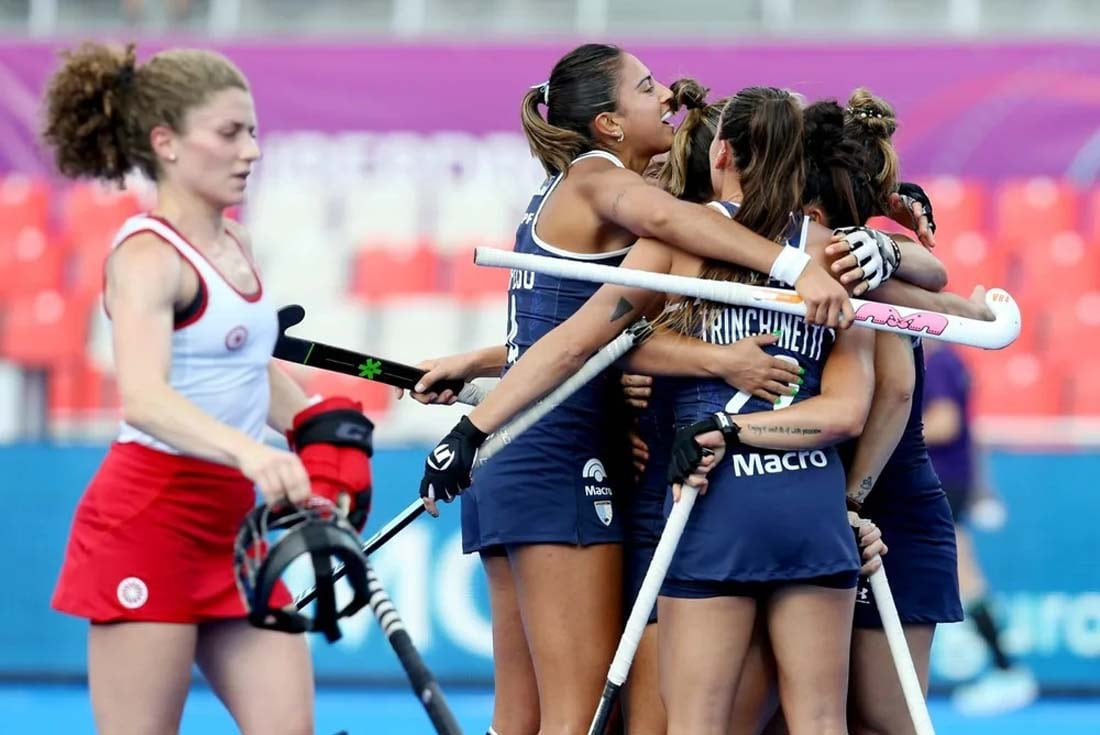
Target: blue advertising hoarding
{"type": "Point", "coordinates": [1042, 564]}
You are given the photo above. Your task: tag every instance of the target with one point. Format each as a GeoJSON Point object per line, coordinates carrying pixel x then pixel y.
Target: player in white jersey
{"type": "Point", "coordinates": [150, 559]}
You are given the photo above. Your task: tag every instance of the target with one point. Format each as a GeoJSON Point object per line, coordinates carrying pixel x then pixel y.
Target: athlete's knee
{"type": "Point", "coordinates": [818, 718]}
{"type": "Point", "coordinates": [565, 723]}
{"type": "Point", "coordinates": [282, 728]}
{"type": "Point", "coordinates": [520, 723]}
{"type": "Point", "coordinates": [856, 727]}
{"type": "Point", "coordinates": [862, 721]}
{"type": "Point", "coordinates": [284, 724]}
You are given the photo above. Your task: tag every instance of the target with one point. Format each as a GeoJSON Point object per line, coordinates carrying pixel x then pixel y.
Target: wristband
{"type": "Point", "coordinates": [788, 266]}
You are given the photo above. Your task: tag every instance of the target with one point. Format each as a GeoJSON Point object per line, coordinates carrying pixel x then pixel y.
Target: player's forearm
{"type": "Point", "coordinates": [837, 414]}
{"type": "Point", "coordinates": [817, 422]}
{"type": "Point", "coordinates": [895, 379]}
{"type": "Point", "coordinates": [544, 366]}
{"type": "Point", "coordinates": [287, 398]}
{"type": "Point", "coordinates": [906, 294]}
{"type": "Point", "coordinates": [919, 266]}
{"type": "Point", "coordinates": [163, 413]}
{"type": "Point", "coordinates": [488, 361]}
{"type": "Point", "coordinates": [670, 353]}
{"type": "Point", "coordinates": [704, 232]}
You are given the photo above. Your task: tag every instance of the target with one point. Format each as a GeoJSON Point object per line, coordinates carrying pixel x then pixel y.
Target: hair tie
{"type": "Point", "coordinates": [864, 112]}
{"type": "Point", "coordinates": [124, 80]}
{"type": "Point", "coordinates": [545, 89]}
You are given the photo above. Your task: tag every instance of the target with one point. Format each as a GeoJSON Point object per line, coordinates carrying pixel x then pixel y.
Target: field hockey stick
{"type": "Point", "coordinates": [603, 359]}
{"type": "Point", "coordinates": [895, 636]}
{"type": "Point", "coordinates": [607, 356]}
{"type": "Point", "coordinates": [420, 676]}
{"type": "Point", "coordinates": [994, 335]}
{"type": "Point", "coordinates": [371, 545]}
{"type": "Point", "coordinates": [358, 364]}
{"type": "Point", "coordinates": [643, 605]}
{"type": "Point", "coordinates": [899, 651]}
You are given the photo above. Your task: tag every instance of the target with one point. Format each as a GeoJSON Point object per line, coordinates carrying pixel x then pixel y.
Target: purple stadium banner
{"type": "Point", "coordinates": [981, 110]}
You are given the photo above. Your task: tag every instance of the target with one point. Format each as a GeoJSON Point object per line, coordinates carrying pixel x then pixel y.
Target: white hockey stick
{"type": "Point", "coordinates": [643, 605]}
{"type": "Point", "coordinates": [603, 359]}
{"type": "Point", "coordinates": [899, 651]}
{"type": "Point", "coordinates": [608, 355]}
{"type": "Point", "coordinates": [994, 335]}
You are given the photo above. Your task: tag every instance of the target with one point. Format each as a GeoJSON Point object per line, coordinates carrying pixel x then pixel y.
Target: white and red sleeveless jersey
{"type": "Point", "coordinates": [220, 348]}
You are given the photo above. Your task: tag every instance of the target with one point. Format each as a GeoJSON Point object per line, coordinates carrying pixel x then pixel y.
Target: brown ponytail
{"type": "Point", "coordinates": [101, 106]}
{"type": "Point", "coordinates": [764, 128]}
{"type": "Point", "coordinates": [872, 121]}
{"type": "Point", "coordinates": [686, 174]}
{"type": "Point", "coordinates": [583, 84]}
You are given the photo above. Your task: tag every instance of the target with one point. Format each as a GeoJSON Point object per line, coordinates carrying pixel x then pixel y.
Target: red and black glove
{"type": "Point", "coordinates": [335, 442]}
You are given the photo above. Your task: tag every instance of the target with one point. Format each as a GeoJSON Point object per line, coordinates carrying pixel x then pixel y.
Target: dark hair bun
{"type": "Point", "coordinates": [689, 93]}
{"type": "Point", "coordinates": [85, 115]}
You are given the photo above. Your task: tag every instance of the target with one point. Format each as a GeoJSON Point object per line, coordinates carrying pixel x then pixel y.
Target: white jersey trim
{"type": "Point", "coordinates": [718, 206]}
{"type": "Point", "coordinates": [561, 252]}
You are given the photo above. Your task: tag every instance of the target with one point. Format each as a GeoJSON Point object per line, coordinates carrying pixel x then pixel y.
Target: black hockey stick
{"type": "Point", "coordinates": [358, 364]}
{"type": "Point", "coordinates": [420, 676]}
{"type": "Point", "coordinates": [371, 545]}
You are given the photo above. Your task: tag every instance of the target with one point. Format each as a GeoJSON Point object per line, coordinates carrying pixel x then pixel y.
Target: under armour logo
{"type": "Point", "coordinates": [441, 458]}
{"type": "Point", "coordinates": [862, 594]}
{"type": "Point", "coordinates": [351, 432]}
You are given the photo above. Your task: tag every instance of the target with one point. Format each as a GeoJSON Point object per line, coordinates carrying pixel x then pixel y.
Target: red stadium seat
{"type": "Point", "coordinates": [375, 397]}
{"type": "Point", "coordinates": [31, 263]}
{"type": "Point", "coordinates": [1084, 395]}
{"type": "Point", "coordinates": [1031, 211]}
{"type": "Point", "coordinates": [24, 202]}
{"type": "Point", "coordinates": [1063, 270]}
{"type": "Point", "coordinates": [1092, 218]}
{"type": "Point", "coordinates": [92, 213]}
{"type": "Point", "coordinates": [472, 282]}
{"type": "Point", "coordinates": [24, 222]}
{"type": "Point", "coordinates": [959, 205]}
{"type": "Point", "coordinates": [42, 329]}
{"type": "Point", "coordinates": [76, 390]}
{"type": "Point", "coordinates": [972, 260]}
{"type": "Point", "coordinates": [1015, 382]}
{"type": "Point", "coordinates": [385, 273]}
{"type": "Point", "coordinates": [1072, 333]}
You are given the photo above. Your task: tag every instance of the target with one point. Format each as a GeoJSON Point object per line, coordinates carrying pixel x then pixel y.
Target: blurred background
{"type": "Point", "coordinates": [392, 148]}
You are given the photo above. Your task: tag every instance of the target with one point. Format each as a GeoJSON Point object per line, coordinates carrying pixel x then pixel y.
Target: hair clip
{"type": "Point", "coordinates": [545, 88]}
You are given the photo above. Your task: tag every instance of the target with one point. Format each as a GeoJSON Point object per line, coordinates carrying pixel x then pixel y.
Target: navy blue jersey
{"type": "Point", "coordinates": [909, 468]}
{"type": "Point", "coordinates": [910, 508]}
{"type": "Point", "coordinates": [556, 482]}
{"type": "Point", "coordinates": [805, 344]}
{"type": "Point", "coordinates": [768, 516]}
{"type": "Point", "coordinates": [537, 302]}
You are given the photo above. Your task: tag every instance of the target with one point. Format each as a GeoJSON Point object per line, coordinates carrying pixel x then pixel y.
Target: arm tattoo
{"type": "Point", "coordinates": [789, 430]}
{"type": "Point", "coordinates": [865, 487]}
{"type": "Point", "coordinates": [623, 308]}
{"type": "Point", "coordinates": [615, 204]}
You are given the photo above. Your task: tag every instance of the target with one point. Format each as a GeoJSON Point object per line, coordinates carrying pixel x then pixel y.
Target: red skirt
{"type": "Point", "coordinates": [152, 540]}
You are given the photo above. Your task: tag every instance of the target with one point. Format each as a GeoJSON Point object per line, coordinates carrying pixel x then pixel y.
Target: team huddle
{"type": "Point", "coordinates": [783, 425]}
{"type": "Point", "coordinates": [801, 438]}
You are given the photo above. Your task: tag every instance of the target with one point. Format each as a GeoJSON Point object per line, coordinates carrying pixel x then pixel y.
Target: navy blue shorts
{"type": "Point", "coordinates": [644, 506]}
{"type": "Point", "coordinates": [643, 522]}
{"type": "Point", "coordinates": [921, 566]}
{"type": "Point", "coordinates": [768, 517]}
{"type": "Point", "coordinates": [958, 498]}
{"type": "Point", "coordinates": [760, 591]}
{"type": "Point", "coordinates": [550, 485]}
